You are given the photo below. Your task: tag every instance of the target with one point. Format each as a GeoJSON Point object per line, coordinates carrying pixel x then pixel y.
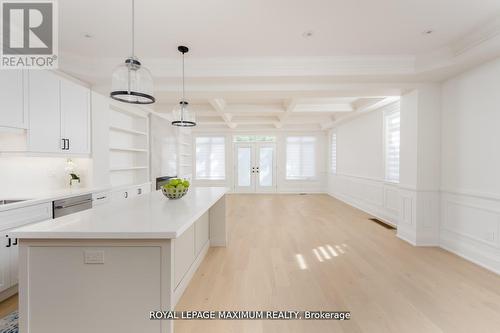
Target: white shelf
{"type": "Point", "coordinates": [124, 109]}
{"type": "Point", "coordinates": [129, 149]}
{"type": "Point", "coordinates": [127, 130]}
{"type": "Point", "coordinates": [128, 168]}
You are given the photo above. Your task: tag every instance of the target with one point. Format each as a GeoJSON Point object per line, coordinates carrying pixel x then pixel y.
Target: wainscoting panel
{"type": "Point", "coordinates": [470, 227]}
{"type": "Point", "coordinates": [376, 197]}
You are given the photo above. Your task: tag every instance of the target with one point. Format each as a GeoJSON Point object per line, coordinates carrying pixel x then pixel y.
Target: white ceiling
{"type": "Point", "coordinates": [251, 55]}
{"type": "Point", "coordinates": [263, 28]}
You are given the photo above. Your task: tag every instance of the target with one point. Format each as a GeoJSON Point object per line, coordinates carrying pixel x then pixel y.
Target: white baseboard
{"type": "Point", "coordinates": [363, 208]}
{"type": "Point", "coordinates": [475, 253]}
{"type": "Point", "coordinates": [8, 293]}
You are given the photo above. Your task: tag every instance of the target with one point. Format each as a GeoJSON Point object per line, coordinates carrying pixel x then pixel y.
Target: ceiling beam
{"type": "Point", "coordinates": [219, 104]}
{"type": "Point", "coordinates": [326, 107]}
{"type": "Point", "coordinates": [366, 108]}
{"type": "Point", "coordinates": [377, 104]}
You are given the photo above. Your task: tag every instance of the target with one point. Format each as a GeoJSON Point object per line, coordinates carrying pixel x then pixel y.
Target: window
{"type": "Point", "coordinates": [392, 138]}
{"type": "Point", "coordinates": [254, 138]}
{"type": "Point", "coordinates": [300, 157]}
{"type": "Point", "coordinates": [333, 153]}
{"type": "Point", "coordinates": [210, 158]}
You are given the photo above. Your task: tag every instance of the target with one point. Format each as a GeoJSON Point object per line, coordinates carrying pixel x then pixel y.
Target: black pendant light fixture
{"type": "Point", "coordinates": [183, 117]}
{"type": "Point", "coordinates": [132, 82]}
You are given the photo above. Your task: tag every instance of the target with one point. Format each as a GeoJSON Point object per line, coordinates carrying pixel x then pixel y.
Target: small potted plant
{"type": "Point", "coordinates": [74, 181]}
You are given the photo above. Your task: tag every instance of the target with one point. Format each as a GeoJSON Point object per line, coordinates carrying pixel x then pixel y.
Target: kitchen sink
{"type": "Point", "coordinates": [6, 202]}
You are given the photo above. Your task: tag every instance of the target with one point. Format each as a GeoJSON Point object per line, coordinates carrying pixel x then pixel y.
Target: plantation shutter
{"type": "Point", "coordinates": [210, 158]}
{"type": "Point", "coordinates": [300, 157]}
{"type": "Point", "coordinates": [392, 141]}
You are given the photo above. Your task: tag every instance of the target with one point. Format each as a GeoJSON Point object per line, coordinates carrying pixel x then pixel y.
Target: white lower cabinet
{"type": "Point", "coordinates": [11, 219]}
{"type": "Point", "coordinates": [201, 233]}
{"type": "Point", "coordinates": [130, 192]}
{"type": "Point", "coordinates": [5, 254]}
{"type": "Point", "coordinates": [188, 246]}
{"type": "Point", "coordinates": [100, 198]}
{"type": "Point", "coordinates": [183, 254]}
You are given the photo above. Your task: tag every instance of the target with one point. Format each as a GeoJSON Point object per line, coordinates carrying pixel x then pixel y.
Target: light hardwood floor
{"type": "Point", "coordinates": [387, 284]}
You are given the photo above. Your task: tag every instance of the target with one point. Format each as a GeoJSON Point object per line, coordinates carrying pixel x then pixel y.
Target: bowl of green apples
{"type": "Point", "coordinates": [176, 188]}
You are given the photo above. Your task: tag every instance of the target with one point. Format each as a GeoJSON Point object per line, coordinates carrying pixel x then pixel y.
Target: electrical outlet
{"type": "Point", "coordinates": [93, 257]}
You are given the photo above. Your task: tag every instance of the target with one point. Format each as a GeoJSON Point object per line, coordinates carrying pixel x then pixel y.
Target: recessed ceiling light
{"type": "Point", "coordinates": [308, 34]}
{"type": "Point", "coordinates": [427, 32]}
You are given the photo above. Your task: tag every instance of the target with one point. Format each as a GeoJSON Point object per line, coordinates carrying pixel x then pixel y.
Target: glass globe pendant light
{"type": "Point", "coordinates": [131, 82]}
{"type": "Point", "coordinates": [182, 116]}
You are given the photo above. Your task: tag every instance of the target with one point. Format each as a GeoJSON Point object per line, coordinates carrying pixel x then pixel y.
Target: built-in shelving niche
{"type": "Point", "coordinates": [128, 146]}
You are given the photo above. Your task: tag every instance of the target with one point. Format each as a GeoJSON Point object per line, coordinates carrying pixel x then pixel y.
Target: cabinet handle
{"type": "Point", "coordinates": [139, 191]}
{"type": "Point", "coordinates": [100, 198]}
{"type": "Point", "coordinates": [15, 241]}
{"type": "Point", "coordinates": [126, 194]}
{"type": "Point", "coordinates": [63, 144]}
{"type": "Point", "coordinates": [10, 241]}
{"type": "Point", "coordinates": [68, 144]}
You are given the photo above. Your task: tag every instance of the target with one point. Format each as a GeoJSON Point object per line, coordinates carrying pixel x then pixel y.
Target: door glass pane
{"type": "Point", "coordinates": [266, 166]}
{"type": "Point", "coordinates": [244, 166]}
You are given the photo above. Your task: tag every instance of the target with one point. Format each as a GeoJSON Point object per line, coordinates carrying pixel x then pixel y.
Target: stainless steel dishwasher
{"type": "Point", "coordinates": [72, 205]}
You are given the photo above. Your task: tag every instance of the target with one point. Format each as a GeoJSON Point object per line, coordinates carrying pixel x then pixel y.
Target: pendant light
{"type": "Point", "coordinates": [182, 116]}
{"type": "Point", "coordinates": [132, 82]}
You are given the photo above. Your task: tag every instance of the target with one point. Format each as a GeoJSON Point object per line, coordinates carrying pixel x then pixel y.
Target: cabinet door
{"type": "Point", "coordinates": [12, 113]}
{"type": "Point", "coordinates": [75, 116]}
{"type": "Point", "coordinates": [5, 250]}
{"type": "Point", "coordinates": [45, 120]}
{"type": "Point", "coordinates": [202, 230]}
{"type": "Point", "coordinates": [183, 254]}
{"type": "Point", "coordinates": [13, 262]}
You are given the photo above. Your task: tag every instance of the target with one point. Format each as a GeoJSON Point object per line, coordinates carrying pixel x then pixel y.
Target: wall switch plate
{"type": "Point", "coordinates": [93, 257]}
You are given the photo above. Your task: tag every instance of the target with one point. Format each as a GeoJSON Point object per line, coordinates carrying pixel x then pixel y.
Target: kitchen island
{"type": "Point", "coordinates": [105, 269]}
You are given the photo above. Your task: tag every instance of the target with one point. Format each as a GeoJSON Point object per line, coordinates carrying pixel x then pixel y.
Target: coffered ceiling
{"type": "Point", "coordinates": [280, 64]}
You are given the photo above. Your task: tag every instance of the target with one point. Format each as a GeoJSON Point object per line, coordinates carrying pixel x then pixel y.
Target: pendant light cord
{"type": "Point", "coordinates": [133, 28]}
{"type": "Point", "coordinates": [183, 80]}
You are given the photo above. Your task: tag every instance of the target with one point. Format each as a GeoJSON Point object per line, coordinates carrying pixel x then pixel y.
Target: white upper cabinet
{"type": "Point", "coordinates": [59, 112]}
{"type": "Point", "coordinates": [45, 117]}
{"type": "Point", "coordinates": [75, 117]}
{"type": "Point", "coordinates": [13, 112]}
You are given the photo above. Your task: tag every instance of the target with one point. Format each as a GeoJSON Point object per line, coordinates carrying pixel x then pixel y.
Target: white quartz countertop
{"type": "Point", "coordinates": [150, 216]}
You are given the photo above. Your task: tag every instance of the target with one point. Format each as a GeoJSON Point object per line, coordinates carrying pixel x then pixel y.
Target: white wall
{"type": "Point", "coordinates": [360, 146]}
{"type": "Point", "coordinates": [283, 185]}
{"type": "Point", "coordinates": [470, 215]}
{"type": "Point", "coordinates": [359, 180]}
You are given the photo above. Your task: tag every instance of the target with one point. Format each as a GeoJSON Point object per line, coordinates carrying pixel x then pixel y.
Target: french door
{"type": "Point", "coordinates": [255, 167]}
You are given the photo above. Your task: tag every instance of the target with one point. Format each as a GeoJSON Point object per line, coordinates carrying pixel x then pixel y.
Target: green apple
{"type": "Point", "coordinates": [173, 182]}
{"type": "Point", "coordinates": [185, 183]}
{"type": "Point", "coordinates": [180, 187]}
